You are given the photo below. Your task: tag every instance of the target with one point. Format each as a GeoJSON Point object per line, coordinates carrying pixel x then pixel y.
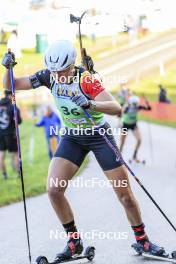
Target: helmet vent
{"type": "Point", "coordinates": [65, 61]}
{"type": "Point", "coordinates": [54, 61]}
{"type": "Point", "coordinates": [46, 61]}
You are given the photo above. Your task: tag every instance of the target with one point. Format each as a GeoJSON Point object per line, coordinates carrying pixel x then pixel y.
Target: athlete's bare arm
{"type": "Point", "coordinates": [22, 83]}
{"type": "Point", "coordinates": [105, 103]}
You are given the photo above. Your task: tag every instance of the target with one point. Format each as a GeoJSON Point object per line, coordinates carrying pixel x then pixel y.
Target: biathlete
{"type": "Point", "coordinates": [129, 122]}
{"type": "Point", "coordinates": [123, 94]}
{"type": "Point", "coordinates": [60, 62]}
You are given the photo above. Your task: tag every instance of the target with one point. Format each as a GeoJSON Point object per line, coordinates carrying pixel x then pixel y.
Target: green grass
{"type": "Point", "coordinates": [35, 175]}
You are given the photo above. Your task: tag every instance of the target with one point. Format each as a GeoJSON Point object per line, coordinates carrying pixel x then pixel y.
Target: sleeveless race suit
{"type": "Point", "coordinates": [75, 147]}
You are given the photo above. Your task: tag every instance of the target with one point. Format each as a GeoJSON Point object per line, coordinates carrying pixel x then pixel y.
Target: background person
{"type": "Point", "coordinates": [129, 122]}
{"type": "Point", "coordinates": [8, 139]}
{"type": "Point", "coordinates": [50, 120]}
{"type": "Point", "coordinates": [123, 94]}
{"type": "Point", "coordinates": [163, 95]}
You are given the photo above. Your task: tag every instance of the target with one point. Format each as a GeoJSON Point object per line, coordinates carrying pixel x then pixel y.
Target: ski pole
{"type": "Point", "coordinates": [149, 133]}
{"type": "Point", "coordinates": [19, 156]}
{"type": "Point", "coordinates": [116, 151]}
{"type": "Point", "coordinates": [86, 60]}
{"type": "Point", "coordinates": [119, 156]}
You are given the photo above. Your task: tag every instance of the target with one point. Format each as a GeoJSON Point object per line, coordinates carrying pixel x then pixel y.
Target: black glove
{"type": "Point", "coordinates": [88, 62]}
{"type": "Point", "coordinates": [9, 60]}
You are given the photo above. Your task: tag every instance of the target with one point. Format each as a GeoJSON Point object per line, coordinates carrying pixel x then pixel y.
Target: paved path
{"type": "Point", "coordinates": [98, 209]}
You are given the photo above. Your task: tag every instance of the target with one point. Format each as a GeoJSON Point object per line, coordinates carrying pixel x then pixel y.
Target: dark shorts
{"type": "Point", "coordinates": [130, 126]}
{"type": "Point", "coordinates": [75, 148]}
{"type": "Point", "coordinates": [8, 142]}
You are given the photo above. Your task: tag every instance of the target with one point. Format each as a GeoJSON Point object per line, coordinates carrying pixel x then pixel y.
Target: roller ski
{"type": "Point", "coordinates": [152, 251]}
{"type": "Point", "coordinates": [73, 251]}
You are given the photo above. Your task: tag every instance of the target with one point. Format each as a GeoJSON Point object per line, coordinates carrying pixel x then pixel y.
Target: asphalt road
{"type": "Point", "coordinates": [98, 209]}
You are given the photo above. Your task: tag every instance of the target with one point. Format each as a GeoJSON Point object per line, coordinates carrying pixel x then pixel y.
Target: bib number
{"type": "Point", "coordinates": [73, 111]}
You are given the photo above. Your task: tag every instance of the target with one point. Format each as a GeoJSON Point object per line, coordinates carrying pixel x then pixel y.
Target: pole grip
{"type": "Point", "coordinates": [83, 56]}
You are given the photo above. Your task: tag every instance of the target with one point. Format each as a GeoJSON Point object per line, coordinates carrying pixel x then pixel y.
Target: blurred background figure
{"type": "Point", "coordinates": [52, 124]}
{"type": "Point", "coordinates": [129, 121]}
{"type": "Point", "coordinates": [2, 36]}
{"type": "Point", "coordinates": [8, 139]}
{"type": "Point", "coordinates": [13, 43]}
{"type": "Point", "coordinates": [123, 94]}
{"type": "Point", "coordinates": [163, 95]}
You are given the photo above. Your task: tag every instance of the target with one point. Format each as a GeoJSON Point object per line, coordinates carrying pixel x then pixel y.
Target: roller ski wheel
{"type": "Point", "coordinates": [42, 260]}
{"type": "Point", "coordinates": [173, 254]}
{"type": "Point", "coordinates": [90, 253]}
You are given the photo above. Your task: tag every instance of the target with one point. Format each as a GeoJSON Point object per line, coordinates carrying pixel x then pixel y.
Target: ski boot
{"type": "Point", "coordinates": [149, 248]}
{"type": "Point", "coordinates": [74, 247]}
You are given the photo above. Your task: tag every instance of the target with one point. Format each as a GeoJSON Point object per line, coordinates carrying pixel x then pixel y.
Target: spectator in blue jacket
{"type": "Point", "coordinates": [52, 124]}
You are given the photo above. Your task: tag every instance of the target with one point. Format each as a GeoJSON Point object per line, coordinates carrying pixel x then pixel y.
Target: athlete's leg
{"type": "Point", "coordinates": [137, 135]}
{"type": "Point", "coordinates": [123, 136]}
{"type": "Point", "coordinates": [15, 162]}
{"type": "Point", "coordinates": [115, 170]}
{"type": "Point", "coordinates": [3, 148]}
{"type": "Point", "coordinates": [119, 178]}
{"type": "Point", "coordinates": [121, 186]}
{"type": "Point", "coordinates": [62, 168]}
{"type": "Point", "coordinates": [50, 154]}
{"type": "Point", "coordinates": [60, 172]}
{"type": "Point", "coordinates": [53, 144]}
{"type": "Point", "coordinates": [122, 141]}
{"type": "Point", "coordinates": [2, 164]}
{"type": "Point", "coordinates": [11, 142]}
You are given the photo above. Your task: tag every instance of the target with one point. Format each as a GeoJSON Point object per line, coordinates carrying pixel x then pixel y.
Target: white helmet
{"type": "Point", "coordinates": [60, 55]}
{"type": "Point", "coordinates": [133, 99]}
